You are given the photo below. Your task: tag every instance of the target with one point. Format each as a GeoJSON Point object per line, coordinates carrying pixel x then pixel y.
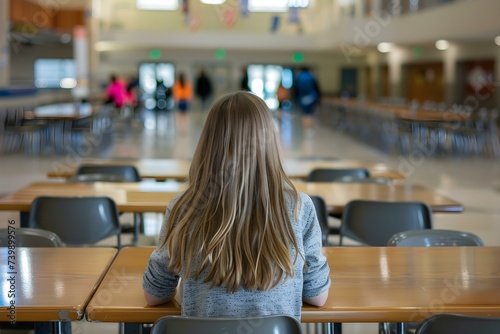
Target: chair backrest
{"type": "Point", "coordinates": [434, 238]}
{"type": "Point", "coordinates": [29, 237]}
{"type": "Point", "coordinates": [128, 172]}
{"type": "Point", "coordinates": [76, 220]}
{"type": "Point", "coordinates": [275, 324]}
{"type": "Point", "coordinates": [322, 214]}
{"type": "Point", "coordinates": [373, 223]}
{"type": "Point", "coordinates": [96, 178]}
{"type": "Point", "coordinates": [334, 174]}
{"type": "Point", "coordinates": [458, 324]}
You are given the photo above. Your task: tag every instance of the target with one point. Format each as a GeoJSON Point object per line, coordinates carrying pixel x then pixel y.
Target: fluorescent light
{"type": "Point", "coordinates": [442, 45]}
{"type": "Point", "coordinates": [157, 4]}
{"type": "Point", "coordinates": [384, 47]}
{"type": "Point", "coordinates": [267, 6]}
{"type": "Point", "coordinates": [497, 40]}
{"type": "Point", "coordinates": [213, 2]}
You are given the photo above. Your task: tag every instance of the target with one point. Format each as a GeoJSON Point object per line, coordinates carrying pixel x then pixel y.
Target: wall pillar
{"type": "Point", "coordinates": [497, 79]}
{"type": "Point", "coordinates": [450, 74]}
{"type": "Point", "coordinates": [395, 72]}
{"type": "Point", "coordinates": [92, 24]}
{"type": "Point", "coordinates": [4, 44]}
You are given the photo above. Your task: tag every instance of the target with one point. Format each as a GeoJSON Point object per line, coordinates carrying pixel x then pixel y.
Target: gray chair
{"type": "Point", "coordinates": [112, 173]}
{"type": "Point", "coordinates": [428, 238]}
{"type": "Point", "coordinates": [373, 223]}
{"type": "Point", "coordinates": [458, 324]}
{"type": "Point", "coordinates": [337, 174]}
{"type": "Point", "coordinates": [29, 237]}
{"type": "Point", "coordinates": [434, 238]}
{"type": "Point", "coordinates": [274, 324]}
{"type": "Point", "coordinates": [77, 220]}
{"type": "Point", "coordinates": [322, 214]}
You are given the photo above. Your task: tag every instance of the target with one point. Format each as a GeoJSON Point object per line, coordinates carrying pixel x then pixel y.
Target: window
{"type": "Point", "coordinates": [157, 4]}
{"type": "Point", "coordinates": [55, 73]}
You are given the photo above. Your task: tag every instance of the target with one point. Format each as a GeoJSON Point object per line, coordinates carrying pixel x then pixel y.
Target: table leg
{"type": "Point", "coordinates": [332, 328]}
{"type": "Point", "coordinates": [25, 215]}
{"type": "Point", "coordinates": [400, 328]}
{"type": "Point", "coordinates": [58, 327]}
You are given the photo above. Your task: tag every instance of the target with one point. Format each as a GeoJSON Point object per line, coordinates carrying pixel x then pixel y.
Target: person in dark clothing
{"type": "Point", "coordinates": [203, 88]}
{"type": "Point", "coordinates": [244, 85]}
{"type": "Point", "coordinates": [308, 96]}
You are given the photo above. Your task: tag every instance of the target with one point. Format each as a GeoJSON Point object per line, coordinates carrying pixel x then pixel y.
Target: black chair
{"type": "Point", "coordinates": [322, 214]}
{"type": "Point", "coordinates": [77, 220]}
{"type": "Point", "coordinates": [29, 237]}
{"type": "Point", "coordinates": [373, 223]}
{"type": "Point", "coordinates": [334, 174]}
{"type": "Point", "coordinates": [458, 324]}
{"type": "Point", "coordinates": [96, 178]}
{"type": "Point", "coordinates": [128, 172]}
{"type": "Point", "coordinates": [112, 173]}
{"type": "Point", "coordinates": [337, 175]}
{"type": "Point", "coordinates": [434, 238]}
{"type": "Point", "coordinates": [275, 324]}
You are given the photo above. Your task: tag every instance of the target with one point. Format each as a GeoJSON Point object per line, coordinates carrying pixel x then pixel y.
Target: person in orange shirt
{"type": "Point", "coordinates": [183, 94]}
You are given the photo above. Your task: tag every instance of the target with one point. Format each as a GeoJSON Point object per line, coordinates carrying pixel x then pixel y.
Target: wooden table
{"type": "Point", "coordinates": [337, 195]}
{"type": "Point", "coordinates": [369, 284]}
{"type": "Point", "coordinates": [162, 169]}
{"type": "Point", "coordinates": [154, 196]}
{"type": "Point", "coordinates": [52, 284]}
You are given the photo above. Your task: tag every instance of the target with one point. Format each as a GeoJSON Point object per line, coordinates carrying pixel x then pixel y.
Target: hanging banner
{"type": "Point", "coordinates": [230, 17]}
{"type": "Point", "coordinates": [293, 15]}
{"type": "Point", "coordinates": [185, 11]}
{"type": "Point", "coordinates": [275, 23]}
{"type": "Point", "coordinates": [244, 8]}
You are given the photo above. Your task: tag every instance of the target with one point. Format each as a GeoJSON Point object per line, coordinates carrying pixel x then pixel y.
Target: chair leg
{"type": "Point", "coordinates": [137, 227]}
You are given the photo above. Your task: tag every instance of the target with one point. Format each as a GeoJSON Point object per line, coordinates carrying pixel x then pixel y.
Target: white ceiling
{"type": "Point", "coordinates": [322, 27]}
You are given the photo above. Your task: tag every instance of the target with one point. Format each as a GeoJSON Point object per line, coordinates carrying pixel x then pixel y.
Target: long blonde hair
{"type": "Point", "coordinates": [233, 216]}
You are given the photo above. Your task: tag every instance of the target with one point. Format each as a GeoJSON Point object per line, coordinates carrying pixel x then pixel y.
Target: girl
{"type": "Point", "coordinates": [243, 240]}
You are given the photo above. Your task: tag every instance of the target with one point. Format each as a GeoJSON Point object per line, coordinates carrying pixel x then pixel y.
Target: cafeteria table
{"type": "Point", "coordinates": [50, 285]}
{"type": "Point", "coordinates": [154, 196]}
{"type": "Point", "coordinates": [176, 169]}
{"type": "Point", "coordinates": [369, 284]}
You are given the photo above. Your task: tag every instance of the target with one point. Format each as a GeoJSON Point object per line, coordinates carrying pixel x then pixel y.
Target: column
{"type": "Point", "coordinates": [4, 44]}
{"type": "Point", "coordinates": [93, 18]}
{"type": "Point", "coordinates": [395, 72]}
{"type": "Point", "coordinates": [373, 60]}
{"type": "Point", "coordinates": [450, 74]}
{"type": "Point", "coordinates": [497, 79]}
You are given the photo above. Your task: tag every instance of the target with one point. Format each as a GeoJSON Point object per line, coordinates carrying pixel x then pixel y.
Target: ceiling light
{"type": "Point", "coordinates": [213, 2]}
{"type": "Point", "coordinates": [384, 47]}
{"type": "Point", "coordinates": [497, 40]}
{"type": "Point", "coordinates": [442, 45]}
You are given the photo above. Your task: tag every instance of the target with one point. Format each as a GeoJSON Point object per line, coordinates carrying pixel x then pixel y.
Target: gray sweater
{"type": "Point", "coordinates": [198, 299]}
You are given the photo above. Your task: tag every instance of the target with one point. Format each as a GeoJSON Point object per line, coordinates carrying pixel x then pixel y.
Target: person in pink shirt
{"type": "Point", "coordinates": [116, 92]}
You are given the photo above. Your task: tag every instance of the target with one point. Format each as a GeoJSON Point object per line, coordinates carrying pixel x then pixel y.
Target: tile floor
{"type": "Point", "coordinates": [475, 182]}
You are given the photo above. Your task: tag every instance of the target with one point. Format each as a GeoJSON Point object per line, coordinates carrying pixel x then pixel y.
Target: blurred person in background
{"type": "Point", "coordinates": [183, 94]}
{"type": "Point", "coordinates": [203, 88]}
{"type": "Point", "coordinates": [308, 96]}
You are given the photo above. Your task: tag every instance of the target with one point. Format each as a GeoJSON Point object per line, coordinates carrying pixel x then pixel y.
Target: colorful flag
{"type": "Point", "coordinates": [244, 8]}
{"type": "Point", "coordinates": [275, 23]}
